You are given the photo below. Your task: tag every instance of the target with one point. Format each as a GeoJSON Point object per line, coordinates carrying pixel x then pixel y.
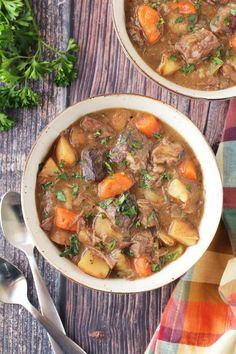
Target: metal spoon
{"type": "Point", "coordinates": [15, 232]}
{"type": "Point", "coordinates": [13, 290]}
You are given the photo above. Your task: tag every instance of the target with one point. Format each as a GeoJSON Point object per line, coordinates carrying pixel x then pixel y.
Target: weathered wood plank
{"type": "Point", "coordinates": [18, 332]}
{"type": "Point", "coordinates": [127, 321]}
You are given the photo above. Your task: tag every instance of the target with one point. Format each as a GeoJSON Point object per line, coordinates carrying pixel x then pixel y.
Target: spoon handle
{"type": "Point", "coordinates": [65, 343]}
{"type": "Point", "coordinates": [47, 306]}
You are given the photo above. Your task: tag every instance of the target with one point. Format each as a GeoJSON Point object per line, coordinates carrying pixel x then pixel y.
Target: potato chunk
{"type": "Point", "coordinates": [178, 190]}
{"type": "Point", "coordinates": [93, 265]}
{"type": "Point", "coordinates": [183, 232]}
{"type": "Point", "coordinates": [123, 263]}
{"type": "Point", "coordinates": [168, 66]}
{"type": "Point", "coordinates": [65, 152]}
{"type": "Point", "coordinates": [168, 241]}
{"type": "Point", "coordinates": [49, 169]}
{"type": "Point", "coordinates": [103, 227]}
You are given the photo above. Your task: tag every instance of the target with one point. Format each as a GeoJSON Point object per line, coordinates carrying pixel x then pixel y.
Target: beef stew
{"type": "Point", "coordinates": [121, 194]}
{"type": "Point", "coordinates": [192, 42]}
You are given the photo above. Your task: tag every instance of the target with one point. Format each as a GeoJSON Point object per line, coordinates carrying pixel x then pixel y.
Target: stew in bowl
{"type": "Point", "coordinates": [192, 43]}
{"type": "Point", "coordinates": [70, 174]}
{"type": "Point", "coordinates": [121, 194]}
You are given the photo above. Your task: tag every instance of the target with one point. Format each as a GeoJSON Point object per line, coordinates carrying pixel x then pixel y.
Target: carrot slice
{"type": "Point", "coordinates": [148, 19]}
{"type": "Point", "coordinates": [142, 266]}
{"type": "Point", "coordinates": [185, 7]}
{"type": "Point", "coordinates": [232, 41]}
{"type": "Point", "coordinates": [66, 219]}
{"type": "Point", "coordinates": [115, 184]}
{"type": "Point", "coordinates": [187, 169]}
{"type": "Point", "coordinates": [148, 124]}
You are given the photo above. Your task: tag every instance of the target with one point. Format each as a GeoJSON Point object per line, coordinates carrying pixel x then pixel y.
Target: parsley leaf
{"type": "Point", "coordinates": [60, 195]}
{"type": "Point", "coordinates": [73, 248]}
{"type": "Point", "coordinates": [22, 50]}
{"type": "Point", "coordinates": [6, 122]}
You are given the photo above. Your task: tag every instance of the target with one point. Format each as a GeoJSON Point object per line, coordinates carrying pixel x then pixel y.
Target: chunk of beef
{"type": "Point", "coordinates": [142, 244]}
{"type": "Point", "coordinates": [92, 161]}
{"type": "Point", "coordinates": [229, 69]}
{"type": "Point", "coordinates": [93, 126]}
{"type": "Point", "coordinates": [147, 215]}
{"type": "Point", "coordinates": [197, 46]}
{"type": "Point", "coordinates": [132, 146]}
{"type": "Point", "coordinates": [166, 152]}
{"type": "Point", "coordinates": [136, 34]}
{"type": "Point", "coordinates": [225, 20]}
{"type": "Point", "coordinates": [123, 215]}
{"type": "Point", "coordinates": [47, 223]}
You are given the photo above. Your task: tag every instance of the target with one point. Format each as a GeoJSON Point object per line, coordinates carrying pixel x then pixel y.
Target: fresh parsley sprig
{"type": "Point", "coordinates": [22, 59]}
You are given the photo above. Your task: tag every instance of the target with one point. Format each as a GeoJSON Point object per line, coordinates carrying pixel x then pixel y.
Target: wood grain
{"type": "Point", "coordinates": [127, 322]}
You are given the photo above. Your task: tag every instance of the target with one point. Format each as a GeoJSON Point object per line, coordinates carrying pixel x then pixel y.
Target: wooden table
{"type": "Point", "coordinates": [126, 321]}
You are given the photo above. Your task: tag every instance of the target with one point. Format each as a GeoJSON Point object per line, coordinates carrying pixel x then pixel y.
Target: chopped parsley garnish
{"type": "Point", "coordinates": [233, 11]}
{"type": "Point", "coordinates": [128, 252]}
{"type": "Point", "coordinates": [123, 163]}
{"type": "Point", "coordinates": [226, 21]}
{"type": "Point", "coordinates": [188, 68]}
{"type": "Point", "coordinates": [73, 248]}
{"type": "Point", "coordinates": [75, 190]}
{"type": "Point", "coordinates": [88, 217]}
{"type": "Point", "coordinates": [112, 245]}
{"type": "Point", "coordinates": [98, 132]}
{"type": "Point", "coordinates": [160, 23]}
{"type": "Point", "coordinates": [228, 52]}
{"type": "Point", "coordinates": [61, 164]}
{"type": "Point", "coordinates": [166, 177]}
{"type": "Point", "coordinates": [191, 21]}
{"type": "Point", "coordinates": [63, 175]}
{"type": "Point", "coordinates": [188, 187]}
{"type": "Point", "coordinates": [151, 216]}
{"type": "Point", "coordinates": [77, 175]}
{"type": "Point", "coordinates": [157, 136]}
{"type": "Point", "coordinates": [117, 220]}
{"type": "Point", "coordinates": [136, 145]}
{"type": "Point", "coordinates": [130, 212]}
{"type": "Point", "coordinates": [105, 203]}
{"type": "Point", "coordinates": [47, 186]}
{"type": "Point", "coordinates": [217, 61]}
{"type": "Point", "coordinates": [108, 167]}
{"type": "Point", "coordinates": [145, 180]}
{"type": "Point", "coordinates": [104, 141]}
{"type": "Point", "coordinates": [60, 195]}
{"type": "Point", "coordinates": [154, 4]}
{"type": "Point", "coordinates": [179, 19]}
{"type": "Point", "coordinates": [125, 207]}
{"type": "Point", "coordinates": [100, 245]}
{"type": "Point", "coordinates": [172, 57]}
{"type": "Point", "coordinates": [155, 267]}
{"type": "Point", "coordinates": [165, 197]}
{"type": "Point", "coordinates": [198, 5]}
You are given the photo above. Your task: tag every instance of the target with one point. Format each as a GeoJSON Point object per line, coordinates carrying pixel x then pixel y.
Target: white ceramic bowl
{"type": "Point", "coordinates": [211, 180]}
{"type": "Point", "coordinates": [119, 21]}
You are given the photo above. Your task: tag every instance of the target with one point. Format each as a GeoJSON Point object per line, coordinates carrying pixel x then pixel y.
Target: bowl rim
{"type": "Point", "coordinates": [152, 285]}
{"type": "Point", "coordinates": [148, 72]}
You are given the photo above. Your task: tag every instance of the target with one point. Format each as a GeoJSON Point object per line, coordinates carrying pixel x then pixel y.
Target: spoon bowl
{"type": "Point", "coordinates": [12, 220]}
{"type": "Point", "coordinates": [13, 286]}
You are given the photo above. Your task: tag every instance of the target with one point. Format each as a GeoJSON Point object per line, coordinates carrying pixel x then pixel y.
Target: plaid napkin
{"type": "Point", "coordinates": [196, 319]}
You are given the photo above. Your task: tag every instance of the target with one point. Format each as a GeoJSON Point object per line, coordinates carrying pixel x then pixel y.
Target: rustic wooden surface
{"type": "Point", "coordinates": [127, 321]}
